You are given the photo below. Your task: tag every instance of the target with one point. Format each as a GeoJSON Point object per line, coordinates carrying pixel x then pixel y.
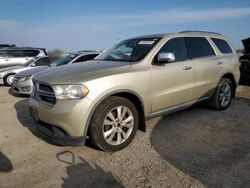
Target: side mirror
{"type": "Point", "coordinates": [32, 65]}
{"type": "Point", "coordinates": [165, 57]}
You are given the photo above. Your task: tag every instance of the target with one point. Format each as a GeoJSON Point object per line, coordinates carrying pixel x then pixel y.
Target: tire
{"type": "Point", "coordinates": [221, 92]}
{"type": "Point", "coordinates": [8, 79]}
{"type": "Point", "coordinates": [101, 123]}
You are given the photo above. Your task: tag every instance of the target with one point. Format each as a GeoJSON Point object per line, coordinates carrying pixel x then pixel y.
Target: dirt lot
{"type": "Point", "coordinates": [196, 147]}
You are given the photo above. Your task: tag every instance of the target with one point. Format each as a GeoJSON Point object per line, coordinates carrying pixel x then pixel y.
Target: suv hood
{"type": "Point", "coordinates": [32, 71]}
{"type": "Point", "coordinates": [82, 72]}
{"type": "Point", "coordinates": [246, 43]}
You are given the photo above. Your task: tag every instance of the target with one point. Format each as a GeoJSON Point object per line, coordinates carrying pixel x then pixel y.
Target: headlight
{"type": "Point", "coordinates": [64, 92]}
{"type": "Point", "coordinates": [24, 78]}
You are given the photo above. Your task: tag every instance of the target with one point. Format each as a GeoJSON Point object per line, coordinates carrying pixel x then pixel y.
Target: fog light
{"type": "Point", "coordinates": [26, 88]}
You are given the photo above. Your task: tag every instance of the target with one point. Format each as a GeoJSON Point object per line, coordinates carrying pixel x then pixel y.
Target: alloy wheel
{"type": "Point", "coordinates": [118, 125]}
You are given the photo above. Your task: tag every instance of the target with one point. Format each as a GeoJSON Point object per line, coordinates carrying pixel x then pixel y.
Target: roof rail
{"type": "Point", "coordinates": [200, 32]}
{"type": "Point", "coordinates": [22, 48]}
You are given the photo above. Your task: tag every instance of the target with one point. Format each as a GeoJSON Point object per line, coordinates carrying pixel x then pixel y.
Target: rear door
{"type": "Point", "coordinates": [4, 58]}
{"type": "Point", "coordinates": [172, 83]}
{"type": "Point", "coordinates": [207, 65]}
{"type": "Point", "coordinates": [18, 57]}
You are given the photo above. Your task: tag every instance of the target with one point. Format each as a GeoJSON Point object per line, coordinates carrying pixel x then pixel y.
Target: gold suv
{"type": "Point", "coordinates": [109, 98]}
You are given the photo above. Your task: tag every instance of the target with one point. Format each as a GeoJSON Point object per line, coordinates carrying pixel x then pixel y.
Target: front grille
{"type": "Point", "coordinates": [44, 93]}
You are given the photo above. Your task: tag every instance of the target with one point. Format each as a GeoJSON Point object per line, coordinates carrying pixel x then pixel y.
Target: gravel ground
{"type": "Point", "coordinates": [197, 147]}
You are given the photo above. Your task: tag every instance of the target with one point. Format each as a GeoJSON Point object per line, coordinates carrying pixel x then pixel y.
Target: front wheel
{"type": "Point", "coordinates": [114, 124]}
{"type": "Point", "coordinates": [8, 79]}
{"type": "Point", "coordinates": [223, 95]}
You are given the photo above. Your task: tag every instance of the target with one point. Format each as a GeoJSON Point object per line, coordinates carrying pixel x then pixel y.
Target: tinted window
{"type": "Point", "coordinates": [65, 60]}
{"type": "Point", "coordinates": [11, 53]}
{"type": "Point", "coordinates": [30, 53]}
{"type": "Point", "coordinates": [5, 53]}
{"type": "Point", "coordinates": [176, 46]}
{"type": "Point", "coordinates": [18, 53]}
{"type": "Point", "coordinates": [198, 47]}
{"type": "Point", "coordinates": [85, 58]}
{"type": "Point", "coordinates": [222, 45]}
{"type": "Point", "coordinates": [81, 59]}
{"type": "Point", "coordinates": [42, 61]}
{"type": "Point", "coordinates": [92, 56]}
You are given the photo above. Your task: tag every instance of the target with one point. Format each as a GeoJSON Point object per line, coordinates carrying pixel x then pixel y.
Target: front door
{"type": "Point", "coordinates": [172, 83]}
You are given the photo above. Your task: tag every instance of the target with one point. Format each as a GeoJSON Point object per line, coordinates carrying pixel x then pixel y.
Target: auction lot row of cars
{"type": "Point", "coordinates": [106, 97]}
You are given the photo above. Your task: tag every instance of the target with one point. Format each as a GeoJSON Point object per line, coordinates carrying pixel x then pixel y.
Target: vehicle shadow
{"type": "Point", "coordinates": [84, 174]}
{"type": "Point", "coordinates": [5, 164]}
{"type": "Point", "coordinates": [211, 146]}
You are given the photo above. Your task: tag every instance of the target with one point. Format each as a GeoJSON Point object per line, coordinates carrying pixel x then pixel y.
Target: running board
{"type": "Point", "coordinates": [175, 108]}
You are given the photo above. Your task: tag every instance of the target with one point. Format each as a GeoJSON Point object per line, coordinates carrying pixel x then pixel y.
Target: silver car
{"type": "Point", "coordinates": [7, 74]}
{"type": "Point", "coordinates": [13, 56]}
{"type": "Point", "coordinates": [23, 84]}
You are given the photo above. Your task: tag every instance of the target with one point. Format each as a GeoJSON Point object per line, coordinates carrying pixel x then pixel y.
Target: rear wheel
{"type": "Point", "coordinates": [8, 79]}
{"type": "Point", "coordinates": [114, 124]}
{"type": "Point", "coordinates": [223, 95]}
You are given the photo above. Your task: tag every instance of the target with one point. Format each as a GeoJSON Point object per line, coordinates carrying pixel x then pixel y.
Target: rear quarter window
{"type": "Point", "coordinates": [30, 53]}
{"type": "Point", "coordinates": [222, 45]}
{"type": "Point", "coordinates": [198, 47]}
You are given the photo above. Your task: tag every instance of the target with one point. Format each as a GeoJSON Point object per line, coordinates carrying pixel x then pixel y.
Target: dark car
{"type": "Point", "coordinates": [7, 45]}
{"type": "Point", "coordinates": [245, 59]}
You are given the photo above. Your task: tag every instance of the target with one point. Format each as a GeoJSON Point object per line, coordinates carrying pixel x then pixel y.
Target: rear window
{"type": "Point", "coordinates": [11, 53]}
{"type": "Point", "coordinates": [18, 53]}
{"type": "Point", "coordinates": [198, 47]}
{"type": "Point", "coordinates": [4, 53]}
{"type": "Point", "coordinates": [222, 45]}
{"type": "Point", "coordinates": [30, 53]}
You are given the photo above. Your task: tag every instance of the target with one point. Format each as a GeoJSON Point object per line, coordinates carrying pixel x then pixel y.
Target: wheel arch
{"type": "Point", "coordinates": [128, 94]}
{"type": "Point", "coordinates": [8, 74]}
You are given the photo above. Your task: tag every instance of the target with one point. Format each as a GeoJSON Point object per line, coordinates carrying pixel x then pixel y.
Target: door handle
{"type": "Point", "coordinates": [6, 59]}
{"type": "Point", "coordinates": [187, 67]}
{"type": "Point", "coordinates": [219, 62]}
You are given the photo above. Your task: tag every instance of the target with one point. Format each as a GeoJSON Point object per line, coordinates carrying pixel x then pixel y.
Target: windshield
{"type": "Point", "coordinates": [131, 50]}
{"type": "Point", "coordinates": [30, 61]}
{"type": "Point", "coordinates": [65, 60]}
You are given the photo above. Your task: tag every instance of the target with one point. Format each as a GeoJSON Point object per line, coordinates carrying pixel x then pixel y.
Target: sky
{"type": "Point", "coordinates": [95, 25]}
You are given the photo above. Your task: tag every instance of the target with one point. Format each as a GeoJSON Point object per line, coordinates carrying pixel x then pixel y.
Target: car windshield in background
{"type": "Point", "coordinates": [30, 61]}
{"type": "Point", "coordinates": [65, 60]}
{"type": "Point", "coordinates": [131, 50]}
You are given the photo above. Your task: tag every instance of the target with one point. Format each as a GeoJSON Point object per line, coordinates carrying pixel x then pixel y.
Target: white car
{"type": "Point", "coordinates": [22, 82]}
{"type": "Point", "coordinates": [7, 74]}
{"type": "Point", "coordinates": [19, 55]}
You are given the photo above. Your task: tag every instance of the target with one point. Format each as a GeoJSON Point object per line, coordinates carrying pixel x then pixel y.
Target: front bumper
{"type": "Point", "coordinates": [57, 136]}
{"type": "Point", "coordinates": [1, 81]}
{"type": "Point", "coordinates": [24, 88]}
{"type": "Point", "coordinates": [69, 118]}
